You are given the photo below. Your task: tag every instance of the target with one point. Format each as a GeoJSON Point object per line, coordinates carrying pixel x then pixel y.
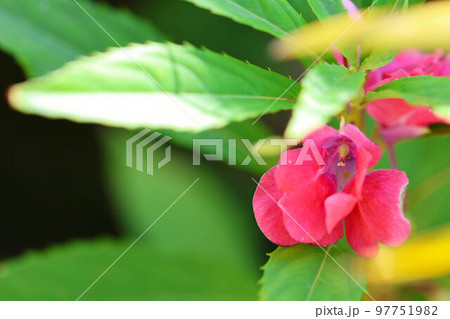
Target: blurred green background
{"type": "Point", "coordinates": [66, 186]}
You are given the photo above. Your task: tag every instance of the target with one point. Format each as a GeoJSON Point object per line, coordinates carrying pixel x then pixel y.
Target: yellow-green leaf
{"type": "Point", "coordinates": [326, 89]}
{"type": "Point", "coordinates": [156, 85]}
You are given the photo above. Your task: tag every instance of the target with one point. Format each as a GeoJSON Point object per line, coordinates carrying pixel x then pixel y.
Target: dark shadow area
{"type": "Point", "coordinates": [50, 183]}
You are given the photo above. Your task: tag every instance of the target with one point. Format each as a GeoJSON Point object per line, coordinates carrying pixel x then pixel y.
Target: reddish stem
{"type": "Point", "coordinates": [392, 157]}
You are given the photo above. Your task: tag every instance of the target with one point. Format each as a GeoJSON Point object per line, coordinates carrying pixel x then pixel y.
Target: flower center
{"type": "Point", "coordinates": [343, 152]}
{"type": "Point", "coordinates": [341, 161]}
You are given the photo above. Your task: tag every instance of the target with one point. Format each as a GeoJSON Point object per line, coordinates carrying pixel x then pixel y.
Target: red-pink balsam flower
{"type": "Point", "coordinates": [309, 202]}
{"type": "Point", "coordinates": [397, 118]}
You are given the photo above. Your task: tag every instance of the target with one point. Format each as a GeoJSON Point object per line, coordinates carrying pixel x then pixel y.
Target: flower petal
{"type": "Point", "coordinates": [388, 111]}
{"type": "Point", "coordinates": [445, 66]}
{"type": "Point", "coordinates": [305, 209]}
{"type": "Point", "coordinates": [362, 141]}
{"type": "Point", "coordinates": [363, 161]}
{"type": "Point", "coordinates": [383, 202]}
{"type": "Point", "coordinates": [322, 135]}
{"type": "Point", "coordinates": [352, 9]}
{"type": "Point", "coordinates": [379, 215]}
{"type": "Point", "coordinates": [359, 235]}
{"type": "Point", "coordinates": [268, 214]}
{"type": "Point", "coordinates": [337, 207]}
{"type": "Point", "coordinates": [334, 236]}
{"type": "Point", "coordinates": [290, 174]}
{"type": "Point", "coordinates": [338, 56]}
{"type": "Point", "coordinates": [404, 60]}
{"type": "Point", "coordinates": [392, 112]}
{"type": "Point", "coordinates": [395, 133]}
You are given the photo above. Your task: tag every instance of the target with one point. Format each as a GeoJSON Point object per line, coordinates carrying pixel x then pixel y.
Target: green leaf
{"type": "Point", "coordinates": [276, 17]}
{"type": "Point", "coordinates": [306, 272]}
{"type": "Point", "coordinates": [397, 4]}
{"type": "Point", "coordinates": [324, 9]}
{"type": "Point", "coordinates": [439, 129]}
{"type": "Point", "coordinates": [326, 89]}
{"type": "Point", "coordinates": [122, 25]}
{"type": "Point", "coordinates": [304, 9]}
{"type": "Point", "coordinates": [143, 273]}
{"type": "Point", "coordinates": [378, 58]}
{"type": "Point", "coordinates": [163, 86]}
{"type": "Point", "coordinates": [419, 90]}
{"type": "Point", "coordinates": [43, 35]}
{"type": "Point", "coordinates": [362, 3]}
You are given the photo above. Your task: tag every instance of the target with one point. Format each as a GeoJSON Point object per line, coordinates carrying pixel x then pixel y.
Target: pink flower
{"type": "Point", "coordinates": [309, 203]}
{"type": "Point", "coordinates": [397, 118]}
{"type": "Point", "coordinates": [351, 9]}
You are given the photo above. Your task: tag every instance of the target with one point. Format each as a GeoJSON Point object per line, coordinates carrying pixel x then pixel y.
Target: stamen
{"type": "Point", "coordinates": [341, 162]}
{"type": "Point", "coordinates": [343, 150]}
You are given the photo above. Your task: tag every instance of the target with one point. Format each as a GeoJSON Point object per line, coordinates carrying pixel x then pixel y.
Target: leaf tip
{"type": "Point", "coordinates": [186, 44]}
{"type": "Point", "coordinates": [13, 96]}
